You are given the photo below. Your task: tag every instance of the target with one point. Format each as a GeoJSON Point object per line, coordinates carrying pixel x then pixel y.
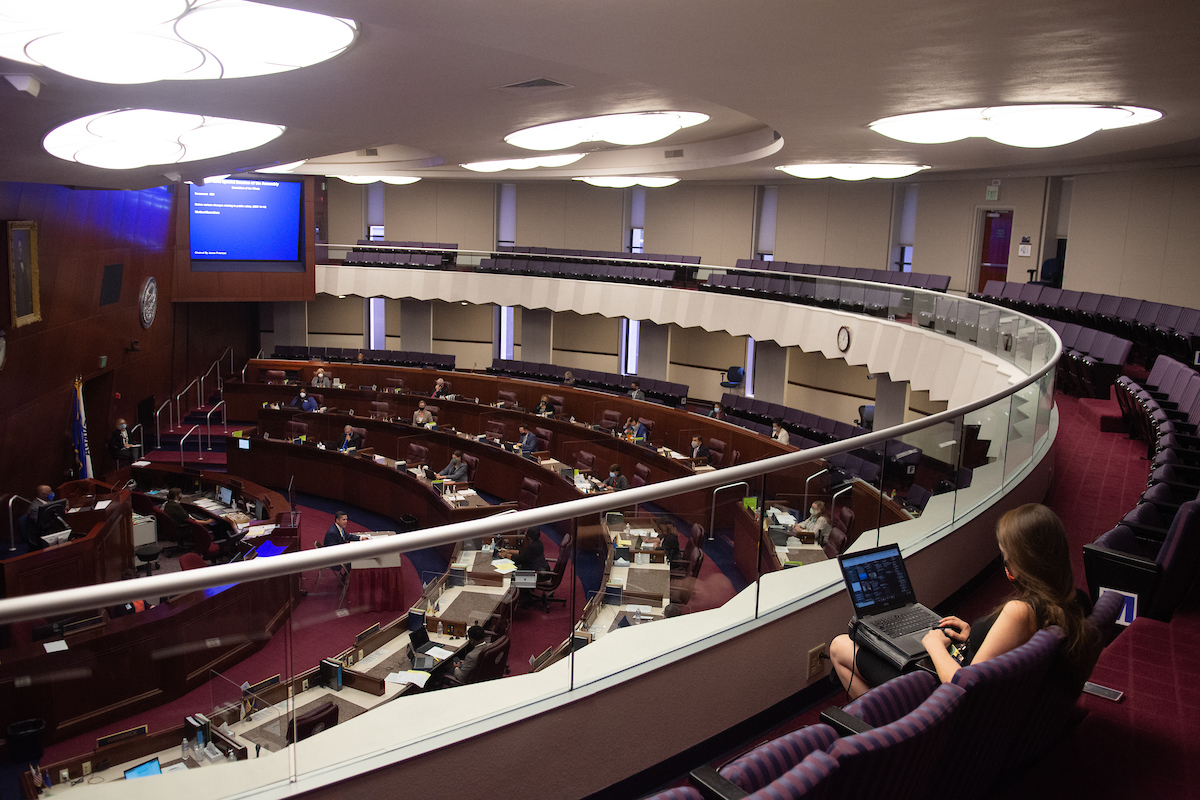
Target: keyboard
{"type": "Point", "coordinates": [906, 623]}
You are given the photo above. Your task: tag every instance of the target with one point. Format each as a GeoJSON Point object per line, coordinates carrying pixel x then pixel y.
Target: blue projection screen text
{"type": "Point", "coordinates": [245, 220]}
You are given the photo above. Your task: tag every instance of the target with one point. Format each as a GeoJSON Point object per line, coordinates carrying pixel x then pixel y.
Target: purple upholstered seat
{"type": "Point", "coordinates": [768, 762]}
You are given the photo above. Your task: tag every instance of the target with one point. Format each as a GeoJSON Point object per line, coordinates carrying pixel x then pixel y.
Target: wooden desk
{"type": "Point", "coordinates": [166, 476]}
{"type": "Point", "coordinates": [377, 583]}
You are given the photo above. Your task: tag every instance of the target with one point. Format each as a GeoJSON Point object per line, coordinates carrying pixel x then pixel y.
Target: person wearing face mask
{"type": "Point", "coordinates": [119, 446]}
{"type": "Point", "coordinates": [717, 412]}
{"type": "Point", "coordinates": [615, 481]}
{"type": "Point", "coordinates": [422, 416]}
{"type": "Point", "coordinates": [779, 433]}
{"type": "Point", "coordinates": [321, 380]}
{"type": "Point", "coordinates": [817, 523]}
{"type": "Point", "coordinates": [305, 401]}
{"type": "Point", "coordinates": [456, 470]}
{"type": "Point", "coordinates": [39, 522]}
{"type": "Point", "coordinates": [700, 449]}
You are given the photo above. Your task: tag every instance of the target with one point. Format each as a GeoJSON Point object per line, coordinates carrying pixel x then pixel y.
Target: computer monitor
{"type": "Point", "coordinates": [225, 495]}
{"type": "Point", "coordinates": [151, 767]}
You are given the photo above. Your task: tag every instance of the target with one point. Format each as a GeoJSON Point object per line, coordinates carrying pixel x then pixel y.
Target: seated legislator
{"type": "Point", "coordinates": [717, 412]}
{"type": "Point", "coordinates": [526, 442]}
{"type": "Point", "coordinates": [119, 446]}
{"type": "Point", "coordinates": [350, 440]}
{"type": "Point", "coordinates": [635, 391]}
{"type": "Point", "coordinates": [531, 556]}
{"type": "Point", "coordinates": [321, 380]}
{"type": "Point", "coordinates": [456, 470]}
{"type": "Point", "coordinates": [439, 389]}
{"type": "Point", "coordinates": [337, 535]}
{"type": "Point", "coordinates": [305, 401]}
{"type": "Point", "coordinates": [422, 416]}
{"type": "Point", "coordinates": [779, 433]}
{"type": "Point", "coordinates": [468, 657]}
{"type": "Point", "coordinates": [1038, 565]}
{"type": "Point", "coordinates": [39, 520]}
{"type": "Point", "coordinates": [635, 430]}
{"type": "Point", "coordinates": [615, 480]}
{"type": "Point", "coordinates": [817, 523]}
{"type": "Point", "coordinates": [179, 515]}
{"type": "Point", "coordinates": [700, 449]}
{"type": "Point", "coordinates": [545, 406]}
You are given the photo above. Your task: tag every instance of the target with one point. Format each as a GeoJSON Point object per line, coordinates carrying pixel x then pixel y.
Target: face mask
{"type": "Point", "coordinates": [303, 395]}
{"type": "Point", "coordinates": [813, 511]}
{"type": "Point", "coordinates": [50, 496]}
{"type": "Point", "coordinates": [695, 444]}
{"type": "Point", "coordinates": [612, 474]}
{"type": "Point", "coordinates": [121, 426]}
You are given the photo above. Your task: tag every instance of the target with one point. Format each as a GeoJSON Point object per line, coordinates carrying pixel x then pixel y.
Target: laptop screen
{"type": "Point", "coordinates": [418, 637]}
{"type": "Point", "coordinates": [877, 580]}
{"type": "Point", "coordinates": [151, 767]}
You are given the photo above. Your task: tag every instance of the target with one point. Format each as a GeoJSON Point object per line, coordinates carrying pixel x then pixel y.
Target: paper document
{"type": "Point", "coordinates": [56, 647]}
{"type": "Point", "coordinates": [440, 653]}
{"type": "Point", "coordinates": [141, 463]}
{"type": "Point", "coordinates": [102, 504]}
{"type": "Point", "coordinates": [413, 676]}
{"type": "Point", "coordinates": [640, 608]}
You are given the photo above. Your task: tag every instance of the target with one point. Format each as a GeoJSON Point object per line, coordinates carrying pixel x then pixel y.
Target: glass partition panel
{"type": "Point", "coordinates": [985, 442]}
{"type": "Point", "coordinates": [1022, 421]}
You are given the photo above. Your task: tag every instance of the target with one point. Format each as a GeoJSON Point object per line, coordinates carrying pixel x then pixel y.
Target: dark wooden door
{"type": "Point", "coordinates": [995, 239]}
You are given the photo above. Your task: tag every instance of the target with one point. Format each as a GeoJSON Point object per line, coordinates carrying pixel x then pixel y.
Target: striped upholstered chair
{"type": "Point", "coordinates": [768, 762]}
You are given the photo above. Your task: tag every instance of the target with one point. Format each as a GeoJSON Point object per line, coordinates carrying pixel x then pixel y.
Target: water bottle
{"type": "Point", "coordinates": [185, 749]}
{"type": "Point", "coordinates": [439, 629]}
{"type": "Point", "coordinates": [230, 756]}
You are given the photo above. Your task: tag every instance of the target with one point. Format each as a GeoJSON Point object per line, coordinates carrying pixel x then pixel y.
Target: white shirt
{"type": "Point", "coordinates": [781, 435]}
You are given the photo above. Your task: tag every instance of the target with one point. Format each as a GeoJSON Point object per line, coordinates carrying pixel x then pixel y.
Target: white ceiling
{"type": "Point", "coordinates": [420, 85]}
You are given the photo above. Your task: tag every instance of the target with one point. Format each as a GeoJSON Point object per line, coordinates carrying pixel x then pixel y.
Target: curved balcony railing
{"type": "Point", "coordinates": [977, 453]}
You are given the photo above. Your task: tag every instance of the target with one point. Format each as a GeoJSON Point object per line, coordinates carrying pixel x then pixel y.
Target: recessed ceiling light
{"type": "Point", "coordinates": [142, 41]}
{"type": "Point", "coordinates": [395, 180]}
{"type": "Point", "coordinates": [139, 137]}
{"type": "Point", "coordinates": [624, 181]}
{"type": "Point", "coordinates": [851, 172]}
{"type": "Point", "coordinates": [524, 163]}
{"type": "Point", "coordinates": [1042, 125]}
{"type": "Point", "coordinates": [641, 127]}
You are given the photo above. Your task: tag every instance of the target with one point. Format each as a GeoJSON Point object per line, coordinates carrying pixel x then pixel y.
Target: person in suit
{"type": "Point", "coordinates": [439, 388]}
{"type": "Point", "coordinates": [41, 523]}
{"type": "Point", "coordinates": [422, 416]}
{"type": "Point", "coordinates": [179, 515]}
{"type": "Point", "coordinates": [635, 391]}
{"type": "Point", "coordinates": [615, 482]}
{"type": "Point", "coordinates": [700, 449]}
{"type": "Point", "coordinates": [526, 442]}
{"type": "Point", "coordinates": [532, 555]}
{"type": "Point", "coordinates": [456, 470]}
{"type": "Point", "coordinates": [350, 440]}
{"type": "Point", "coordinates": [545, 406]}
{"type": "Point", "coordinates": [305, 401]}
{"type": "Point", "coordinates": [468, 658]}
{"type": "Point", "coordinates": [778, 432]}
{"type": "Point", "coordinates": [635, 430]}
{"type": "Point", "coordinates": [337, 534]}
{"type": "Point", "coordinates": [321, 380]}
{"type": "Point", "coordinates": [119, 446]}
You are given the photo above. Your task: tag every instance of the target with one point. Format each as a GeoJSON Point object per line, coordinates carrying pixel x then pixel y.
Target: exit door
{"type": "Point", "coordinates": [996, 240]}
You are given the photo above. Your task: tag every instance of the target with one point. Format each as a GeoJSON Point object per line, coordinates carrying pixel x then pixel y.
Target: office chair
{"type": "Point", "coordinates": [733, 377]}
{"type": "Point", "coordinates": [547, 582]}
{"type": "Point", "coordinates": [313, 722]}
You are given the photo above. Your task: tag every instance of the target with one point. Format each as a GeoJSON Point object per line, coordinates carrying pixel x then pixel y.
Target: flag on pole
{"type": "Point", "coordinates": [83, 456]}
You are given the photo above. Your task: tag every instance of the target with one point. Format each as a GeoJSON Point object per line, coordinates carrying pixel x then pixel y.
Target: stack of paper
{"type": "Point", "coordinates": [414, 676]}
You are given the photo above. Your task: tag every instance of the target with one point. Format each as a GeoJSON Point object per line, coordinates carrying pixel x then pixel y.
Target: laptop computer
{"type": "Point", "coordinates": [890, 620]}
{"type": "Point", "coordinates": [419, 640]}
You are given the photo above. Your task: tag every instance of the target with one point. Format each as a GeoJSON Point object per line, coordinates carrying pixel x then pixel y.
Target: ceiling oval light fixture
{"type": "Point", "coordinates": [625, 181]}
{"type": "Point", "coordinates": [395, 180]}
{"type": "Point", "coordinates": [140, 137]}
{"type": "Point", "coordinates": [143, 41]}
{"type": "Point", "coordinates": [524, 163]}
{"type": "Point", "coordinates": [1040, 125]}
{"type": "Point", "coordinates": [851, 172]}
{"type": "Point", "coordinates": [642, 127]}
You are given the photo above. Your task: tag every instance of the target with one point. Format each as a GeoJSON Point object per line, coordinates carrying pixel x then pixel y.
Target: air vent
{"type": "Point", "coordinates": [371, 151]}
{"type": "Point", "coordinates": [673, 153]}
{"type": "Point", "coordinates": [535, 86]}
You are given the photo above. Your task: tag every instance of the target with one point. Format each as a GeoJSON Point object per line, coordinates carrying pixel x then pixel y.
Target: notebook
{"type": "Point", "coordinates": [890, 620]}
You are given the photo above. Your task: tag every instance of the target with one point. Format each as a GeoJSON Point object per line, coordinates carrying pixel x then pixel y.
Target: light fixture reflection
{"type": "Point", "coordinates": [1042, 125]}
{"type": "Point", "coordinates": [142, 41]}
{"type": "Point", "coordinates": [524, 163]}
{"type": "Point", "coordinates": [625, 181]}
{"type": "Point", "coordinates": [139, 137]}
{"type": "Point", "coordinates": [850, 172]}
{"type": "Point", "coordinates": [640, 127]}
{"type": "Point", "coordinates": [283, 167]}
{"type": "Point", "coordinates": [395, 180]}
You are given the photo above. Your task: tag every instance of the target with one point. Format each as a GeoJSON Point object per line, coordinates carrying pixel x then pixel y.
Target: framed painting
{"type": "Point", "coordinates": [24, 294]}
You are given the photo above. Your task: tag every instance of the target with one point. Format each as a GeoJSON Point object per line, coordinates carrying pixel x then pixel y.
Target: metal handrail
{"type": "Point", "coordinates": [806, 482]}
{"type": "Point", "coordinates": [141, 442]}
{"type": "Point", "coordinates": [712, 521]}
{"type": "Point", "coordinates": [12, 525]}
{"type": "Point", "coordinates": [208, 419]}
{"type": "Point", "coordinates": [834, 503]}
{"type": "Point", "coordinates": [199, 444]}
{"type": "Point", "coordinates": [179, 400]}
{"type": "Point", "coordinates": [158, 425]}
{"type": "Point", "coordinates": [228, 349]}
{"type": "Point", "coordinates": [16, 609]}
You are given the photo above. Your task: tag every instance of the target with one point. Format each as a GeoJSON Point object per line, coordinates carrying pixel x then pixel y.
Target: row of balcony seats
{"type": "Point", "coordinates": [393, 258]}
{"type": "Point", "coordinates": [808, 291]}
{"type": "Point", "coordinates": [1092, 359]}
{"type": "Point", "coordinates": [1153, 328]}
{"type": "Point", "coordinates": [906, 738]}
{"type": "Point", "coordinates": [896, 460]}
{"type": "Point", "coordinates": [664, 392]}
{"type": "Point", "coordinates": [916, 280]}
{"type": "Point", "coordinates": [367, 245]}
{"type": "Point", "coordinates": [396, 358]}
{"type": "Point", "coordinates": [1154, 551]}
{"type": "Point", "coordinates": [583, 255]}
{"type": "Point", "coordinates": [626, 273]}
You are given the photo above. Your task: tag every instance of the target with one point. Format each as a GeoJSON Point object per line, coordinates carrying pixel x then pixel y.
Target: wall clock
{"type": "Point", "coordinates": [843, 338]}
